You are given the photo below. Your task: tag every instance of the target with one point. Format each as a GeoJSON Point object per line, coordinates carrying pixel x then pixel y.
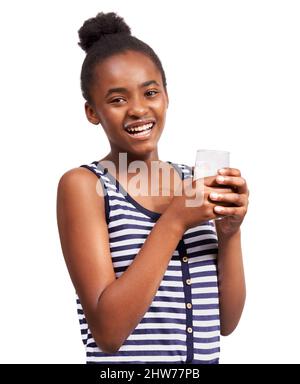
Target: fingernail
{"type": "Point", "coordinates": [214, 195]}
{"type": "Point", "coordinates": [220, 179]}
{"type": "Point", "coordinates": [222, 171]}
{"type": "Point", "coordinates": [219, 209]}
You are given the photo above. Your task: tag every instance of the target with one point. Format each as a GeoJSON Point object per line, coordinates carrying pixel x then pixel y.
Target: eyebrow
{"type": "Point", "coordinates": [122, 89]}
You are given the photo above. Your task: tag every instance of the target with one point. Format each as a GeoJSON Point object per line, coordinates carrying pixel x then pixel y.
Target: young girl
{"type": "Point", "coordinates": [156, 280]}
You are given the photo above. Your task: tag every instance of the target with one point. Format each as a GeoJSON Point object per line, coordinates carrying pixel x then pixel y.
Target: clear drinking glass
{"type": "Point", "coordinates": [208, 161]}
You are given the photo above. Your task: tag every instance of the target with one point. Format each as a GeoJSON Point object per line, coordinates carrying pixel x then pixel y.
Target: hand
{"type": "Point", "coordinates": [234, 214]}
{"type": "Point", "coordinates": [196, 192]}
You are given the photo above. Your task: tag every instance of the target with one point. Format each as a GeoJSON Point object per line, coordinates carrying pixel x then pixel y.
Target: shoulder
{"type": "Point", "coordinates": [76, 176]}
{"type": "Point", "coordinates": [77, 179]}
{"type": "Point", "coordinates": [78, 186]}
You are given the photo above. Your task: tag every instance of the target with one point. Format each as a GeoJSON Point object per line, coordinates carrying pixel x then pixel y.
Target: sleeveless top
{"type": "Point", "coordinates": [182, 324]}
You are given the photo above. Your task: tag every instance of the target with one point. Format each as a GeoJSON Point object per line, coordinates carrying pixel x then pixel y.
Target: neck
{"type": "Point", "coordinates": [117, 156]}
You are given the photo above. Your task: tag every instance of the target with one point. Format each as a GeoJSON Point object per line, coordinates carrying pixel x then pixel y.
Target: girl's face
{"type": "Point", "coordinates": [128, 92]}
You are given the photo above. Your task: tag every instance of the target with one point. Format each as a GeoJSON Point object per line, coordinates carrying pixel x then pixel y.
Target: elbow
{"type": "Point", "coordinates": [228, 326]}
{"type": "Point", "coordinates": [109, 349]}
{"type": "Point", "coordinates": [109, 346]}
{"type": "Point", "coordinates": [230, 319]}
{"type": "Point", "coordinates": [226, 332]}
{"type": "Point", "coordinates": [107, 337]}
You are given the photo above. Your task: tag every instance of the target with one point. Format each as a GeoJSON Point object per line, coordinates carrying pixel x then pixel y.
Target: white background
{"type": "Point", "coordinates": [234, 83]}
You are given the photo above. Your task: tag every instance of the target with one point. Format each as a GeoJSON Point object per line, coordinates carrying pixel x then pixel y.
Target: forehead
{"type": "Point", "coordinates": [126, 69]}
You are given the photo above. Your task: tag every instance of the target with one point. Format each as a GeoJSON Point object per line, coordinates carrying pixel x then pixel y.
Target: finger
{"type": "Point", "coordinates": [210, 181]}
{"type": "Point", "coordinates": [220, 190]}
{"type": "Point", "coordinates": [231, 198]}
{"type": "Point", "coordinates": [201, 185]}
{"type": "Point", "coordinates": [230, 211]}
{"type": "Point", "coordinates": [229, 172]}
{"type": "Point", "coordinates": [239, 183]}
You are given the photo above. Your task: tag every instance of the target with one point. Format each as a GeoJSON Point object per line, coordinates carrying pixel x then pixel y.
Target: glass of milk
{"type": "Point", "coordinates": [208, 161]}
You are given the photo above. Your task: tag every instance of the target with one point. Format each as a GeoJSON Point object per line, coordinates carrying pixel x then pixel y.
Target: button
{"type": "Point", "coordinates": [184, 259]}
{"type": "Point", "coordinates": [189, 305]}
{"type": "Point", "coordinates": [188, 281]}
{"type": "Point", "coordinates": [189, 330]}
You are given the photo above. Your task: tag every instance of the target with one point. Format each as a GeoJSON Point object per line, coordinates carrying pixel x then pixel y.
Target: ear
{"type": "Point", "coordinates": [91, 115]}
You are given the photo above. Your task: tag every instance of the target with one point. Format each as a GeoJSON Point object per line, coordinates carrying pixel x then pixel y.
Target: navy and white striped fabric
{"type": "Point", "coordinates": [182, 323]}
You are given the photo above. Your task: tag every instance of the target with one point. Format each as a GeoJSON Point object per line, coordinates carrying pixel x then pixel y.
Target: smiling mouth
{"type": "Point", "coordinates": [140, 131]}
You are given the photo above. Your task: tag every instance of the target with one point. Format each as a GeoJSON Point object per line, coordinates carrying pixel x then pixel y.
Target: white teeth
{"type": "Point", "coordinates": [141, 128]}
{"type": "Point", "coordinates": [142, 133]}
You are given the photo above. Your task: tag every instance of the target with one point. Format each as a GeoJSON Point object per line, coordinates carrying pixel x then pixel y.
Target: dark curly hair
{"type": "Point", "coordinates": [103, 36]}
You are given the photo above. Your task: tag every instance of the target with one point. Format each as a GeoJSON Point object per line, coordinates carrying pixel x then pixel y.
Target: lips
{"type": "Point", "coordinates": [140, 129]}
{"type": "Point", "coordinates": [138, 123]}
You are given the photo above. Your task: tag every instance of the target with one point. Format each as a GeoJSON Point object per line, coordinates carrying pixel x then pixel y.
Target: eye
{"type": "Point", "coordinates": [117, 100]}
{"type": "Point", "coordinates": [152, 93]}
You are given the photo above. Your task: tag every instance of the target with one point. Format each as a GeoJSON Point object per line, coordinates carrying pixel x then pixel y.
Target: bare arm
{"type": "Point", "coordinates": [113, 307]}
{"type": "Point", "coordinates": [232, 289]}
{"type": "Point", "coordinates": [138, 285]}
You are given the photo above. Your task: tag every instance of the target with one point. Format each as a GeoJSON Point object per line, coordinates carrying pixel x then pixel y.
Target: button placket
{"type": "Point", "coordinates": [188, 299]}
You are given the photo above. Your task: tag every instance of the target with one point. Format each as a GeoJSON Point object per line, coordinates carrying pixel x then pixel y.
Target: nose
{"type": "Point", "coordinates": [137, 107]}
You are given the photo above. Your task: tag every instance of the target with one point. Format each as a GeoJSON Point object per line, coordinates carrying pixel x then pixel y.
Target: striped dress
{"type": "Point", "coordinates": [182, 323]}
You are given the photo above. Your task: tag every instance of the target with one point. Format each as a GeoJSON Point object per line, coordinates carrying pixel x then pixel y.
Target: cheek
{"type": "Point", "coordinates": [160, 106]}
{"type": "Point", "coordinates": [112, 116]}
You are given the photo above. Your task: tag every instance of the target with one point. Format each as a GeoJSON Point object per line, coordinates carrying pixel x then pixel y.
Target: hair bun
{"type": "Point", "coordinates": [103, 24]}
